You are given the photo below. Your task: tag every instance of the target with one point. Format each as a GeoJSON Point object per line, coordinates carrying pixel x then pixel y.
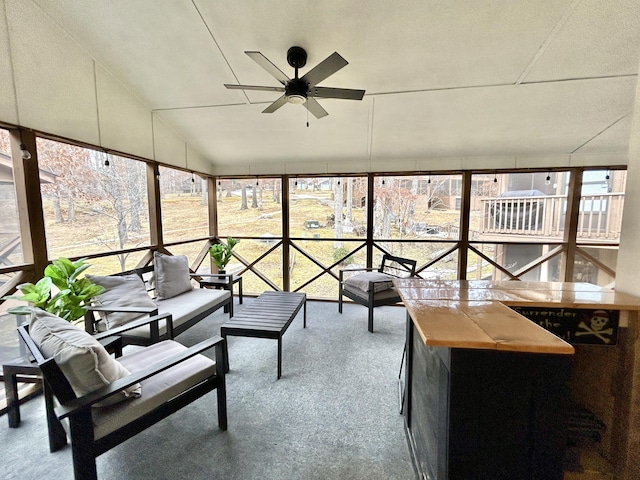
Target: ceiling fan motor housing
{"type": "Point", "coordinates": [297, 57]}
{"type": "Point", "coordinates": [296, 90]}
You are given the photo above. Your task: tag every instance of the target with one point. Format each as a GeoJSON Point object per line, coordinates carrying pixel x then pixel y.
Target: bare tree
{"type": "Point", "coordinates": [337, 212]}
{"type": "Point", "coordinates": [254, 196]}
{"type": "Point", "coordinates": [243, 205]}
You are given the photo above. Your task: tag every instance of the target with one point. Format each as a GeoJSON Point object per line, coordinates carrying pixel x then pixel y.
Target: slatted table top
{"type": "Point", "coordinates": [268, 316]}
{"type": "Point", "coordinates": [476, 313]}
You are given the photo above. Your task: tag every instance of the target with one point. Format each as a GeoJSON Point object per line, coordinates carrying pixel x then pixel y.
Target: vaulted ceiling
{"type": "Point", "coordinates": [449, 84]}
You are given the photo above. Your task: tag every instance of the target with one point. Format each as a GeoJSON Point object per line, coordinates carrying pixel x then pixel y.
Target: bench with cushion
{"type": "Point", "coordinates": [126, 298]}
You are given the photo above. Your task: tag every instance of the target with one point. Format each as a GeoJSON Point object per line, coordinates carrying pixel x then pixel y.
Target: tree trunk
{"type": "Point", "coordinates": [133, 196]}
{"type": "Point", "coordinates": [203, 191]}
{"type": "Point", "coordinates": [337, 211]}
{"type": "Point", "coordinates": [349, 213]}
{"type": "Point", "coordinates": [56, 209]}
{"type": "Point", "coordinates": [71, 208]}
{"type": "Point", "coordinates": [254, 196]}
{"type": "Point", "coordinates": [244, 205]}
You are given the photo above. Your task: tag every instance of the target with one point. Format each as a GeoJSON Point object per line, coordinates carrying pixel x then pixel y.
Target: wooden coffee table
{"type": "Point", "coordinates": [268, 316]}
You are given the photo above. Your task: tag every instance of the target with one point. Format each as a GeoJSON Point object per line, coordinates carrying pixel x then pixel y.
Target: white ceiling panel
{"type": "Point", "coordinates": [499, 121]}
{"type": "Point", "coordinates": [599, 39]}
{"type": "Point", "coordinates": [243, 135]}
{"type": "Point", "coordinates": [168, 146]}
{"type": "Point", "coordinates": [55, 80]}
{"type": "Point", "coordinates": [163, 49]}
{"type": "Point", "coordinates": [614, 139]}
{"type": "Point", "coordinates": [8, 108]}
{"type": "Point", "coordinates": [125, 123]}
{"type": "Point", "coordinates": [391, 46]}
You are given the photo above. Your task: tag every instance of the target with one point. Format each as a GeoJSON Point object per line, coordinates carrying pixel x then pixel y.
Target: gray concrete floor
{"type": "Point", "coordinates": [334, 414]}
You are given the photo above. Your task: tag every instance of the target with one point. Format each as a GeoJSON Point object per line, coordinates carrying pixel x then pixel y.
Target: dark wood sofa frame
{"type": "Point", "coordinates": [145, 273]}
{"type": "Point", "coordinates": [85, 447]}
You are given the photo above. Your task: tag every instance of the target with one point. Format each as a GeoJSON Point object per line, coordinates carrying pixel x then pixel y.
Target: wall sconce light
{"type": "Point", "coordinates": [24, 152]}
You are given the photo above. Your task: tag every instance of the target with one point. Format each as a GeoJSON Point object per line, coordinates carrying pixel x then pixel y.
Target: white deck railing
{"type": "Point", "coordinates": [600, 216]}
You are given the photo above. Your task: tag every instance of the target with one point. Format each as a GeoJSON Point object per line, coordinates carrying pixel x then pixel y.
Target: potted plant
{"type": "Point", "coordinates": [72, 296]}
{"type": "Point", "coordinates": [221, 253]}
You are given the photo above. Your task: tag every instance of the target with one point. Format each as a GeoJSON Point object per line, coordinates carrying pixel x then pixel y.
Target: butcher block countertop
{"type": "Point", "coordinates": [476, 313]}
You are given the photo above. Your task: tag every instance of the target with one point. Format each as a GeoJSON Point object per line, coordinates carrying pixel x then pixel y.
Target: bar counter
{"type": "Point", "coordinates": [486, 392]}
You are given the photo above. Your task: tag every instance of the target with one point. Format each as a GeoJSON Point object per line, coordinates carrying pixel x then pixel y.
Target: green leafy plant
{"type": "Point", "coordinates": [73, 293]}
{"type": "Point", "coordinates": [221, 253]}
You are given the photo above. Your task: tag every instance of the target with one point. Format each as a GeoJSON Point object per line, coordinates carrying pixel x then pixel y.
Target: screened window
{"type": "Point", "coordinates": [94, 202]}
{"type": "Point", "coordinates": [183, 199]}
{"type": "Point", "coordinates": [250, 207]}
{"type": "Point", "coordinates": [10, 244]}
{"type": "Point", "coordinates": [417, 207]}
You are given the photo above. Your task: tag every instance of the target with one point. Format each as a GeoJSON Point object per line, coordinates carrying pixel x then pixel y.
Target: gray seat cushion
{"type": "Point", "coordinates": [389, 294]}
{"type": "Point", "coordinates": [380, 281]}
{"type": "Point", "coordinates": [183, 307]}
{"type": "Point", "coordinates": [157, 389]}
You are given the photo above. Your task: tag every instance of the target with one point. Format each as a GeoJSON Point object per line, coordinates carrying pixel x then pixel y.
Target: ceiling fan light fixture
{"type": "Point", "coordinates": [296, 99]}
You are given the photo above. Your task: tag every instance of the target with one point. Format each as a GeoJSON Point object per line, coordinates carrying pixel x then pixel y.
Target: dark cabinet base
{"type": "Point", "coordinates": [486, 414]}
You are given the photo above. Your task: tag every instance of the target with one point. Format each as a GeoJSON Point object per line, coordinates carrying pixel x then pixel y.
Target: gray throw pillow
{"type": "Point", "coordinates": [172, 275]}
{"type": "Point", "coordinates": [120, 291]}
{"type": "Point", "coordinates": [85, 363]}
{"type": "Point", "coordinates": [361, 281]}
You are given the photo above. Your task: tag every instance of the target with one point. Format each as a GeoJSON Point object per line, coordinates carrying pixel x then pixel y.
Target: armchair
{"type": "Point", "coordinates": [373, 287]}
{"type": "Point", "coordinates": [102, 401]}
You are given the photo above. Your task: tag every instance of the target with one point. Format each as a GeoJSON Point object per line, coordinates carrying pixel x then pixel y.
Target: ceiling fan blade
{"type": "Point", "coordinates": [342, 93]}
{"type": "Point", "coordinates": [265, 63]}
{"type": "Point", "coordinates": [315, 108]}
{"type": "Point", "coordinates": [254, 87]}
{"type": "Point", "coordinates": [328, 66]}
{"type": "Point", "coordinates": [276, 105]}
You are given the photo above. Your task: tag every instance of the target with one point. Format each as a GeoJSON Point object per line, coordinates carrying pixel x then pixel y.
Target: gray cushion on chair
{"type": "Point", "coordinates": [82, 359]}
{"type": "Point", "coordinates": [120, 291]}
{"type": "Point", "coordinates": [157, 389]}
{"type": "Point", "coordinates": [172, 275]}
{"type": "Point", "coordinates": [388, 294]}
{"type": "Point", "coordinates": [362, 281]}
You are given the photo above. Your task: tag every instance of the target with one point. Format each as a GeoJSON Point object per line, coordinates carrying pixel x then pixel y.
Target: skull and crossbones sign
{"type": "Point", "coordinates": [598, 321]}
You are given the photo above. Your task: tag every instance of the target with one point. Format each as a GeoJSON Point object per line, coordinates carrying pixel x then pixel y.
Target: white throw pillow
{"type": "Point", "coordinates": [120, 291]}
{"type": "Point", "coordinates": [86, 364]}
{"type": "Point", "coordinates": [361, 281]}
{"type": "Point", "coordinates": [172, 275]}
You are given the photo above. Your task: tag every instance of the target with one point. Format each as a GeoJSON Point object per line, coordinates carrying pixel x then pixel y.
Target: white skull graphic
{"type": "Point", "coordinates": [599, 319]}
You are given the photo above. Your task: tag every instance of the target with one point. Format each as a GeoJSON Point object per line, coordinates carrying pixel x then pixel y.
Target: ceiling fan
{"type": "Point", "coordinates": [302, 90]}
